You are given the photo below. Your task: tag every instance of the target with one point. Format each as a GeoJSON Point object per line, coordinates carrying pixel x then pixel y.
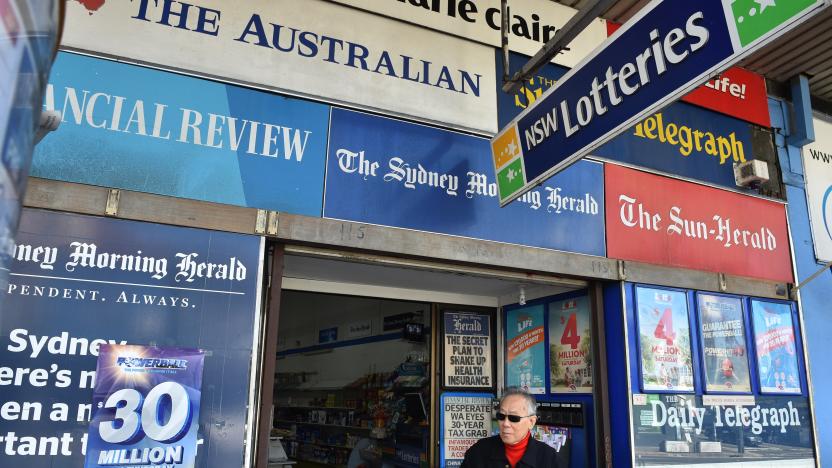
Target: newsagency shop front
{"type": "Point", "coordinates": [222, 266]}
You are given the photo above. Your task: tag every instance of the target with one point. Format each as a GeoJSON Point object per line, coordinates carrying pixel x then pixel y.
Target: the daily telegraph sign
{"type": "Point", "coordinates": [659, 220]}
{"type": "Point", "coordinates": [670, 47]}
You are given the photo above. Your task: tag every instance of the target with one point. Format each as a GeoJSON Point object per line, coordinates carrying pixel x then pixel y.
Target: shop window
{"type": "Point", "coordinates": [353, 380]}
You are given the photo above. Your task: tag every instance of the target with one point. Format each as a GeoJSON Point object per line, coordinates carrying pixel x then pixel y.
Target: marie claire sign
{"type": "Point", "coordinates": [531, 22]}
{"type": "Point", "coordinates": [314, 48]}
{"type": "Point", "coordinates": [659, 220]}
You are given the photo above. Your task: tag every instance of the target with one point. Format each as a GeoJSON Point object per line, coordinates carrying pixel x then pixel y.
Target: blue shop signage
{"type": "Point", "coordinates": [509, 105]}
{"type": "Point", "coordinates": [387, 172]}
{"type": "Point", "coordinates": [139, 129]}
{"type": "Point", "coordinates": [79, 282]}
{"type": "Point", "coordinates": [685, 140]}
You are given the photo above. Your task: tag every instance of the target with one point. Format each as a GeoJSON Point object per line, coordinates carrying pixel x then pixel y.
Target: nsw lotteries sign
{"type": "Point", "coordinates": [147, 407]}
{"type": "Point", "coordinates": [664, 52]}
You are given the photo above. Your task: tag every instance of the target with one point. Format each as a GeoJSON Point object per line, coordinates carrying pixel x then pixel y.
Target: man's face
{"type": "Point", "coordinates": [512, 433]}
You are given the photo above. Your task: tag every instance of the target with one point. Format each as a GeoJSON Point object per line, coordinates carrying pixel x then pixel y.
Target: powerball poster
{"type": "Point", "coordinates": [722, 331]}
{"type": "Point", "coordinates": [146, 402]}
{"type": "Point", "coordinates": [664, 340]}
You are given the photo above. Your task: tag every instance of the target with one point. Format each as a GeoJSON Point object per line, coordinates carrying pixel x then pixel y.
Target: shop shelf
{"type": "Point", "coordinates": [287, 421]}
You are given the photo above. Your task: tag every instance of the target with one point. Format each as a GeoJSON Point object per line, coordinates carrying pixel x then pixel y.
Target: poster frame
{"type": "Point", "coordinates": [549, 301]}
{"type": "Point", "coordinates": [543, 302]}
{"type": "Point", "coordinates": [637, 335]}
{"type": "Point", "coordinates": [492, 336]}
{"type": "Point", "coordinates": [798, 347]}
{"type": "Point", "coordinates": [441, 408]}
{"type": "Point", "coordinates": [701, 346]}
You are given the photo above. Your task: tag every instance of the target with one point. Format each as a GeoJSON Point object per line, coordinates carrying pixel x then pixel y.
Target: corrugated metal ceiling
{"type": "Point", "coordinates": [807, 49]}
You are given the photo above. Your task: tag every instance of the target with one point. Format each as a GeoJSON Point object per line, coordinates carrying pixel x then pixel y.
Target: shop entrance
{"type": "Point", "coordinates": [361, 348]}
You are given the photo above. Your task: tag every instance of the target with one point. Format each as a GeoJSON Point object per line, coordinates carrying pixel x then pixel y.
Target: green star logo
{"type": "Point", "coordinates": [510, 179]}
{"type": "Point", "coordinates": [756, 18]}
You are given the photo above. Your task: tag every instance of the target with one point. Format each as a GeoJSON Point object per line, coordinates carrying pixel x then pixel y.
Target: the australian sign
{"type": "Point", "coordinates": [669, 48]}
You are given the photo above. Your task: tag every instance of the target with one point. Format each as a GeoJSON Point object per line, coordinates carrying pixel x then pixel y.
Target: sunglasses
{"type": "Point", "coordinates": [511, 417]}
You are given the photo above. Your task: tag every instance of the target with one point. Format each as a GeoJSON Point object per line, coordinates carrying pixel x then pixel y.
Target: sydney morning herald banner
{"type": "Point", "coordinates": [79, 282]}
{"type": "Point", "coordinates": [140, 129]}
{"type": "Point", "coordinates": [383, 171]}
{"type": "Point", "coordinates": [310, 47]}
{"type": "Point", "coordinates": [146, 402]}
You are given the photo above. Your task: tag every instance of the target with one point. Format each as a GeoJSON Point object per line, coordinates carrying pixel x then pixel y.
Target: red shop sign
{"type": "Point", "coordinates": [736, 92]}
{"type": "Point", "coordinates": [655, 219]}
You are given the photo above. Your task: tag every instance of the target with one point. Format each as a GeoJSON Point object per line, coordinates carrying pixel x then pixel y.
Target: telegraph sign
{"type": "Point", "coordinates": [668, 49]}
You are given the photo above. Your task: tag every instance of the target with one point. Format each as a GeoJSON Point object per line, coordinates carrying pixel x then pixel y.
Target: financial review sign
{"type": "Point", "coordinates": [665, 51]}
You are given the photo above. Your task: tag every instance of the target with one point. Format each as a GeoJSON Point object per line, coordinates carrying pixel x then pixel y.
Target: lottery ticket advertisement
{"type": "Point", "coordinates": [526, 353]}
{"type": "Point", "coordinates": [570, 348]}
{"type": "Point", "coordinates": [725, 355]}
{"type": "Point", "coordinates": [146, 404]}
{"type": "Point", "coordinates": [775, 344]}
{"type": "Point", "coordinates": [664, 340]}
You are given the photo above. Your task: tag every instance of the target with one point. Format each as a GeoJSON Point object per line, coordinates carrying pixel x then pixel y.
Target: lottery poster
{"type": "Point", "coordinates": [526, 349]}
{"type": "Point", "coordinates": [570, 346]}
{"type": "Point", "coordinates": [146, 402]}
{"type": "Point", "coordinates": [664, 340]}
{"type": "Point", "coordinates": [774, 341]}
{"type": "Point", "coordinates": [724, 350]}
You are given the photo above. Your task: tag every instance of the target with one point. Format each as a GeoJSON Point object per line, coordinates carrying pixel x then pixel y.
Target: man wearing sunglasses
{"type": "Point", "coordinates": [514, 447]}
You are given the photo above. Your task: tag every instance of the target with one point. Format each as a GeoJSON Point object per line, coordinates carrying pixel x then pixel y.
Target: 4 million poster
{"type": "Point", "coordinates": [775, 344]}
{"type": "Point", "coordinates": [570, 352]}
{"type": "Point", "coordinates": [664, 340]}
{"type": "Point", "coordinates": [722, 330]}
{"type": "Point", "coordinates": [526, 349]}
{"type": "Point", "coordinates": [146, 404]}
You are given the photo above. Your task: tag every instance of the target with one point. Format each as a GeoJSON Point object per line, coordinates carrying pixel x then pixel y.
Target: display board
{"type": "Point", "coordinates": [664, 346]}
{"type": "Point", "coordinates": [817, 169]}
{"type": "Point", "coordinates": [79, 282]}
{"type": "Point", "coordinates": [570, 346]}
{"type": "Point", "coordinates": [468, 350]}
{"type": "Point", "coordinates": [147, 403]}
{"type": "Point", "coordinates": [722, 337]}
{"type": "Point", "coordinates": [526, 349]}
{"type": "Point", "coordinates": [465, 418]}
{"type": "Point", "coordinates": [145, 130]}
{"type": "Point", "coordinates": [776, 348]}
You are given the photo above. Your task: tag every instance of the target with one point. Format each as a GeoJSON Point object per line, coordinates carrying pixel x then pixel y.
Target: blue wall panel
{"type": "Point", "coordinates": [815, 297]}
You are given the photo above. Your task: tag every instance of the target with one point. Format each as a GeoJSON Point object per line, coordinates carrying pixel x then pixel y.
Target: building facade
{"type": "Point", "coordinates": [303, 193]}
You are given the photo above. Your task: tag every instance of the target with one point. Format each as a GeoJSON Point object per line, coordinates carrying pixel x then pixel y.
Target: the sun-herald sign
{"type": "Point", "coordinates": [669, 48]}
{"type": "Point", "coordinates": [664, 221]}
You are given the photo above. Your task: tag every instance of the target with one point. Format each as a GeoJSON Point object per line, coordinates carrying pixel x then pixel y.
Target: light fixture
{"type": "Point", "coordinates": [522, 298]}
